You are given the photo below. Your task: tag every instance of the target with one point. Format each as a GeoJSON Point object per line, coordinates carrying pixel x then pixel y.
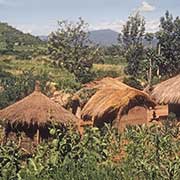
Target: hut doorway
{"type": "Point", "coordinates": [174, 108]}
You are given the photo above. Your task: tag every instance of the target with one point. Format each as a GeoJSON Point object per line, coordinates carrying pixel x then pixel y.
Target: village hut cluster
{"type": "Point", "coordinates": [110, 101]}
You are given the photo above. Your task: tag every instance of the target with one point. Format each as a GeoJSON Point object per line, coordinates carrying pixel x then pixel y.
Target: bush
{"type": "Point", "coordinates": [133, 82]}
{"type": "Point", "coordinates": [144, 153]}
{"type": "Point", "coordinates": [68, 85]}
{"type": "Point", "coordinates": [17, 87]}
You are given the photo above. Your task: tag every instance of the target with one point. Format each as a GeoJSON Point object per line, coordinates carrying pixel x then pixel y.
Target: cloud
{"type": "Point", "coordinates": [113, 25]}
{"type": "Point", "coordinates": [116, 25]}
{"type": "Point", "coordinates": [146, 7]}
{"type": "Point", "coordinates": [36, 29]}
{"type": "Point", "coordinates": [151, 26]}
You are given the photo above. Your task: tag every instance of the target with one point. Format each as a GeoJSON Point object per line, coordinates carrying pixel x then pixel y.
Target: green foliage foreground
{"type": "Point", "coordinates": [143, 153]}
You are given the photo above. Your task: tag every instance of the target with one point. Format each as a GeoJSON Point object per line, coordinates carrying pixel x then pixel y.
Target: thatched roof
{"type": "Point", "coordinates": [107, 102]}
{"type": "Point", "coordinates": [36, 109]}
{"type": "Point", "coordinates": [167, 92]}
{"type": "Point", "coordinates": [89, 89]}
{"type": "Point", "coordinates": [104, 83]}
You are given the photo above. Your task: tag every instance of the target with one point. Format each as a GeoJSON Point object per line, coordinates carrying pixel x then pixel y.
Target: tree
{"type": "Point", "coordinates": [71, 48]}
{"type": "Point", "coordinates": [132, 41]}
{"type": "Point", "coordinates": [169, 42]}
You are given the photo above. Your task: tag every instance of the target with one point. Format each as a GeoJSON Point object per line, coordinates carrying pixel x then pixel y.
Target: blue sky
{"type": "Point", "coordinates": [40, 17]}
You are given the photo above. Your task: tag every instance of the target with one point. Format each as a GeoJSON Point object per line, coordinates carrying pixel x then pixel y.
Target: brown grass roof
{"type": "Point", "coordinates": [106, 82]}
{"type": "Point", "coordinates": [167, 92]}
{"type": "Point", "coordinates": [108, 101]}
{"type": "Point", "coordinates": [36, 109]}
{"type": "Point", "coordinates": [89, 89]}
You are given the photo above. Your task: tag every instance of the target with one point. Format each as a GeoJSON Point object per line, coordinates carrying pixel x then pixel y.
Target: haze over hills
{"type": "Point", "coordinates": [104, 37]}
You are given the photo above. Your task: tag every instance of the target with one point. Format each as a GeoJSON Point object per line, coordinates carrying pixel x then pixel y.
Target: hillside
{"type": "Point", "coordinates": [104, 37]}
{"type": "Point", "coordinates": [10, 37]}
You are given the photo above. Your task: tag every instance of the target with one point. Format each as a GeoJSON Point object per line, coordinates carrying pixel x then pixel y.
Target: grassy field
{"type": "Point", "coordinates": [43, 64]}
{"type": "Point", "coordinates": [38, 65]}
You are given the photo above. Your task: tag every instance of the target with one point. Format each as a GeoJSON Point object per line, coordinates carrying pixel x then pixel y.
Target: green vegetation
{"type": "Point", "coordinates": [12, 40]}
{"type": "Point", "coordinates": [169, 38]}
{"type": "Point", "coordinates": [132, 42]}
{"type": "Point", "coordinates": [71, 48]}
{"type": "Point", "coordinates": [68, 61]}
{"type": "Point", "coordinates": [138, 153]}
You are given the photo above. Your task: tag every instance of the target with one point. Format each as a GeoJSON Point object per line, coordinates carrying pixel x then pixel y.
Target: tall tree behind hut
{"type": "Point", "coordinates": [169, 41]}
{"type": "Point", "coordinates": [71, 48]}
{"type": "Point", "coordinates": [132, 41]}
{"type": "Point", "coordinates": [150, 59]}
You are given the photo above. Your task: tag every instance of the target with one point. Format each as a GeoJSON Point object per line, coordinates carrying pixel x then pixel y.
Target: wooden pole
{"type": "Point", "coordinates": [150, 72]}
{"type": "Point", "coordinates": [4, 139]}
{"type": "Point", "coordinates": [38, 136]}
{"type": "Point", "coordinates": [159, 53]}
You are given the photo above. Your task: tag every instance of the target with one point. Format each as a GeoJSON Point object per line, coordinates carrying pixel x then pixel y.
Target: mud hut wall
{"type": "Point", "coordinates": [136, 116]}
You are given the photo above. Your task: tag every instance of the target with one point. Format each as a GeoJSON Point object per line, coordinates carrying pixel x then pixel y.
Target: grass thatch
{"type": "Point", "coordinates": [106, 83]}
{"type": "Point", "coordinates": [167, 92]}
{"type": "Point", "coordinates": [105, 104]}
{"type": "Point", "coordinates": [91, 88]}
{"type": "Point", "coordinates": [36, 109]}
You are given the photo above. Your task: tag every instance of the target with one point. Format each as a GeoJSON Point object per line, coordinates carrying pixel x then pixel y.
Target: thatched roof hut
{"type": "Point", "coordinates": [36, 109]}
{"type": "Point", "coordinates": [113, 101]}
{"type": "Point", "coordinates": [32, 115]}
{"type": "Point", "coordinates": [89, 89]}
{"type": "Point", "coordinates": [167, 92]}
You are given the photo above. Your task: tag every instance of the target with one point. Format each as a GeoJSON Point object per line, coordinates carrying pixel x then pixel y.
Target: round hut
{"type": "Point", "coordinates": [168, 93]}
{"type": "Point", "coordinates": [119, 105]}
{"type": "Point", "coordinates": [30, 118]}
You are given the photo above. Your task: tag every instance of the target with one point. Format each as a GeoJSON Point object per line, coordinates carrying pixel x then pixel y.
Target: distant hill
{"type": "Point", "coordinates": [43, 38]}
{"type": "Point", "coordinates": [105, 37]}
{"type": "Point", "coordinates": [11, 36]}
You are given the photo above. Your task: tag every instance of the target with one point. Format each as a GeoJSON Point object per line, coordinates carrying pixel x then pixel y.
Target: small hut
{"type": "Point", "coordinates": [168, 93]}
{"type": "Point", "coordinates": [118, 104]}
{"type": "Point", "coordinates": [82, 96]}
{"type": "Point", "coordinates": [31, 116]}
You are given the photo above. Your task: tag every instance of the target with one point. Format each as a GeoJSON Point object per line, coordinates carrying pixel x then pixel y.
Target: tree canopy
{"type": "Point", "coordinates": [71, 48]}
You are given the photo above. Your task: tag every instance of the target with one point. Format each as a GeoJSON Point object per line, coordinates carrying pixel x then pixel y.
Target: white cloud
{"type": "Point", "coordinates": [146, 7]}
{"type": "Point", "coordinates": [36, 29]}
{"type": "Point", "coordinates": [117, 25]}
{"type": "Point", "coordinates": [113, 25]}
{"type": "Point", "coordinates": [151, 26]}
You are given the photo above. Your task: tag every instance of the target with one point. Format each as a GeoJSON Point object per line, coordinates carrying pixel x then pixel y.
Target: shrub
{"type": "Point", "coordinates": [144, 153]}
{"type": "Point", "coordinates": [133, 82]}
